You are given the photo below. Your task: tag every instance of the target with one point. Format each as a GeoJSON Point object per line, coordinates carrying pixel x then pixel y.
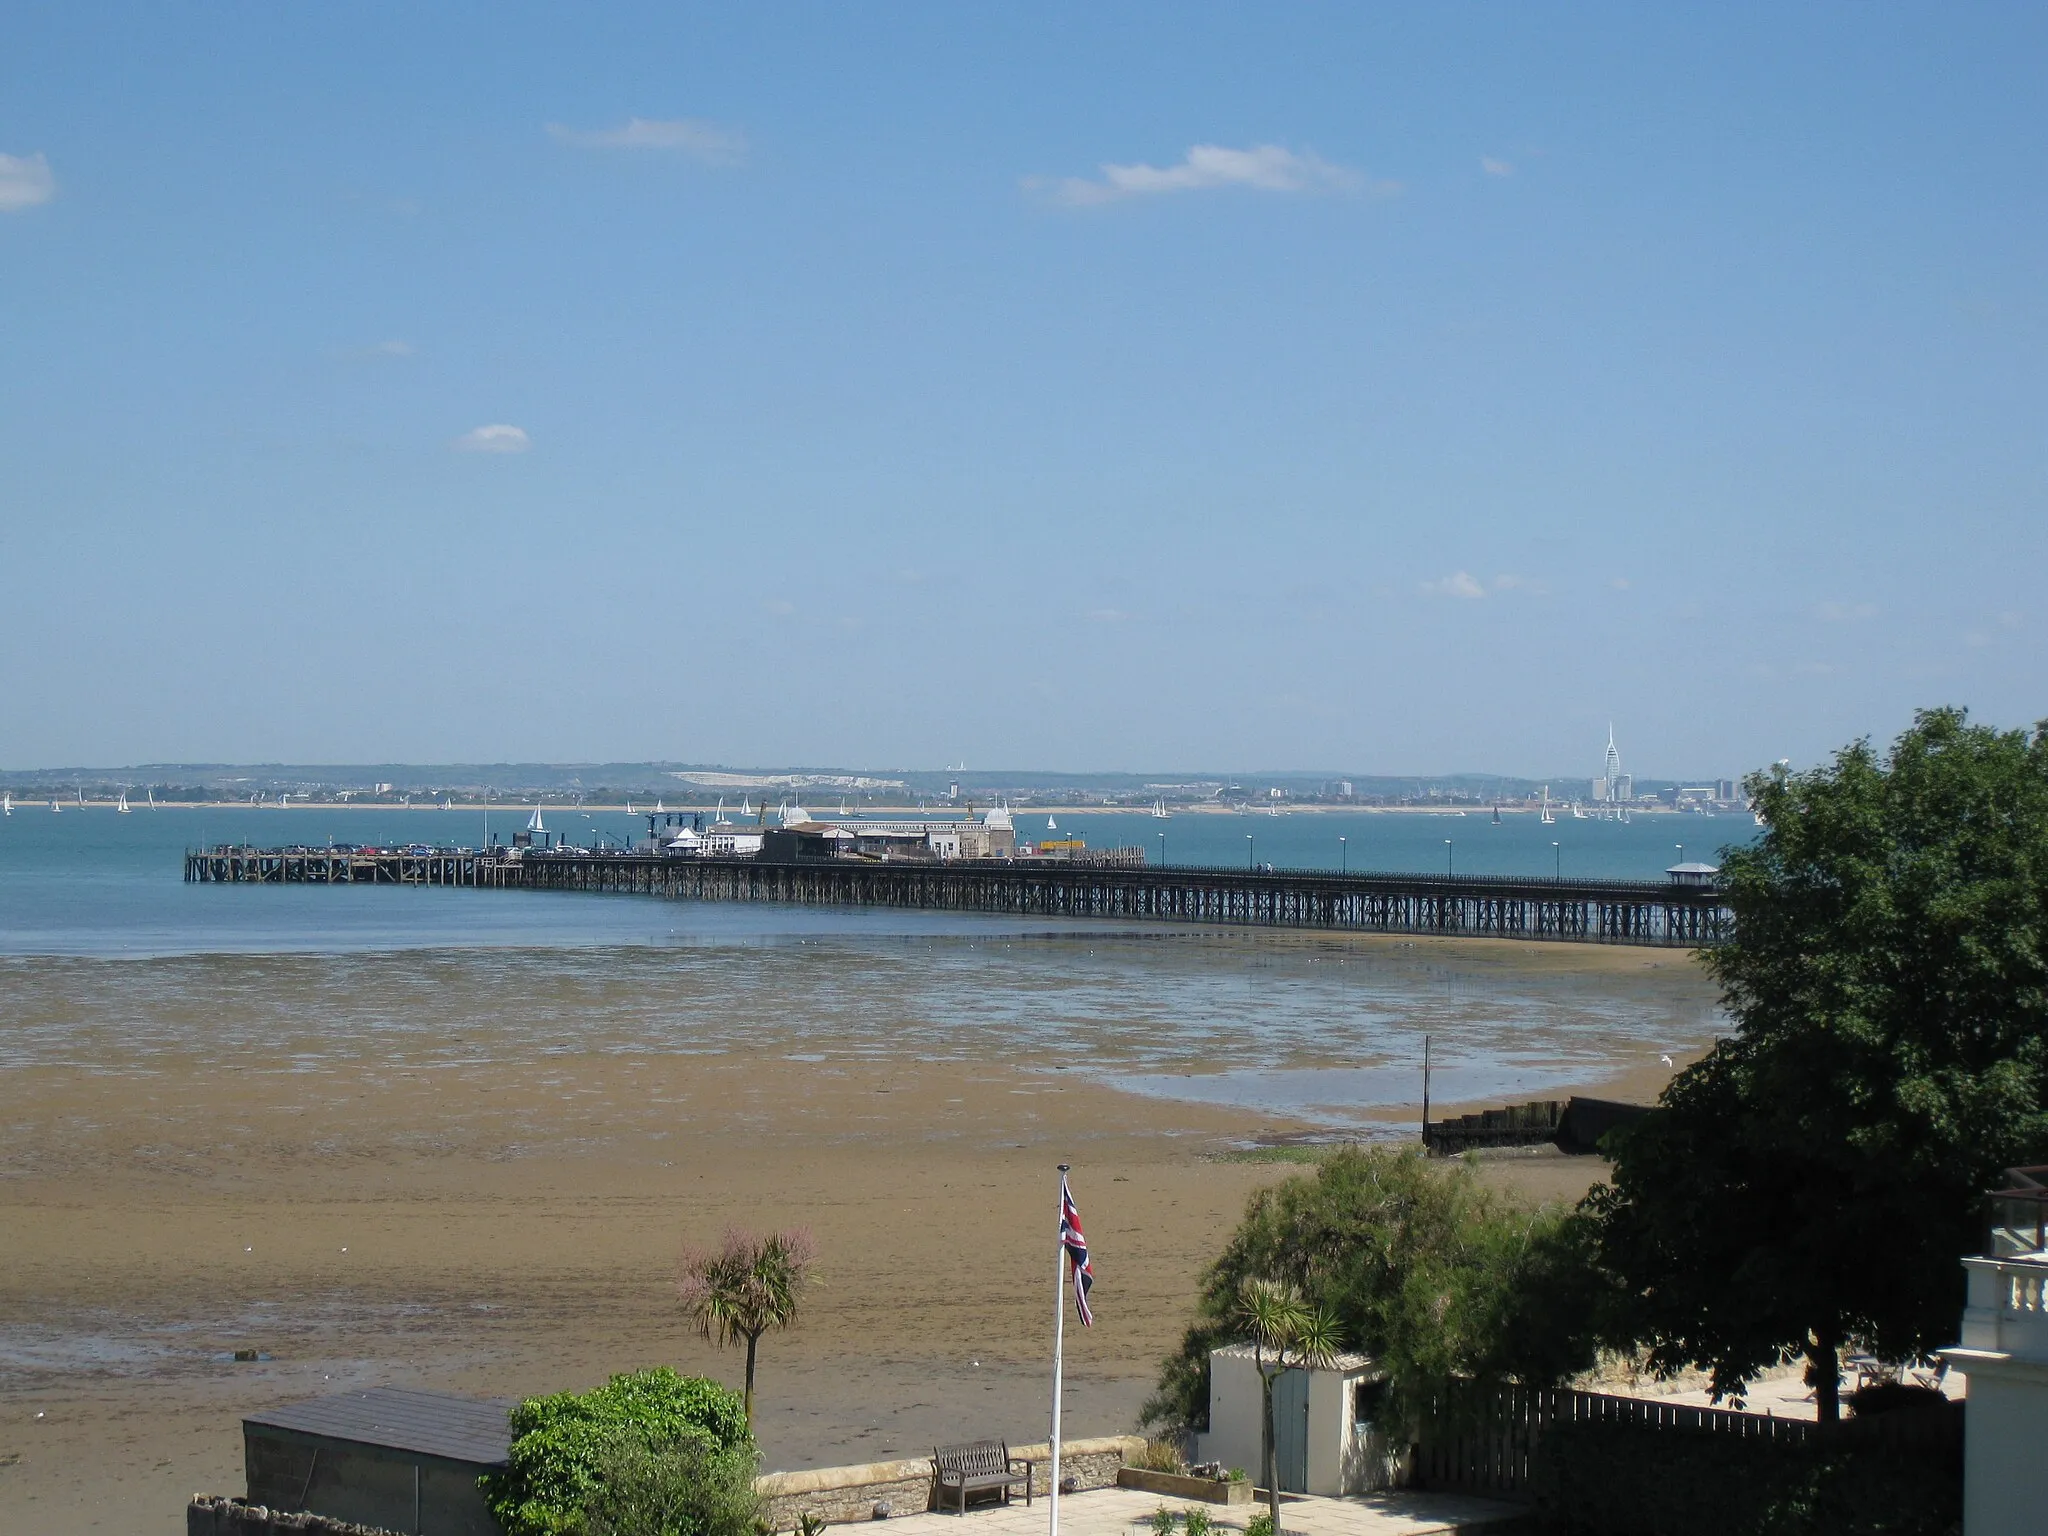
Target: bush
{"type": "Point", "coordinates": [1596, 1479]}
{"type": "Point", "coordinates": [1893, 1397]}
{"type": "Point", "coordinates": [688, 1488]}
{"type": "Point", "coordinates": [562, 1444]}
{"type": "Point", "coordinates": [1260, 1524]}
{"type": "Point", "coordinates": [1162, 1456]}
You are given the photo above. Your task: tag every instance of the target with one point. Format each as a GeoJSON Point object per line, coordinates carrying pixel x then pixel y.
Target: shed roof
{"type": "Point", "coordinates": [1344, 1363]}
{"type": "Point", "coordinates": [429, 1423]}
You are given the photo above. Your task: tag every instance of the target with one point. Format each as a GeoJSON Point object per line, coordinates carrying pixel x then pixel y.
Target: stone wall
{"type": "Point", "coordinates": [840, 1494]}
{"type": "Point", "coordinates": [833, 1494]}
{"type": "Point", "coordinates": [206, 1516]}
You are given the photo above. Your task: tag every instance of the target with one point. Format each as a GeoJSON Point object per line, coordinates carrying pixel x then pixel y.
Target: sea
{"type": "Point", "coordinates": [107, 957]}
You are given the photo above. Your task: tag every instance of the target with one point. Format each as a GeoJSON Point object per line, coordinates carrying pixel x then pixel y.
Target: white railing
{"type": "Point", "coordinates": [2008, 1306]}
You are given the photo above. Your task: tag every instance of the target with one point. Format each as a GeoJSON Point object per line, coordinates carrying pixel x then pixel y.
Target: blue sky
{"type": "Point", "coordinates": [1384, 389]}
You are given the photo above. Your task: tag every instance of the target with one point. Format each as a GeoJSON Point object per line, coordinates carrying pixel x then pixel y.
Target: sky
{"type": "Point", "coordinates": [1369, 388]}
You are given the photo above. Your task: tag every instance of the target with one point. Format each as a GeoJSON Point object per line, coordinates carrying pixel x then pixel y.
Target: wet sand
{"type": "Point", "coordinates": [502, 1221]}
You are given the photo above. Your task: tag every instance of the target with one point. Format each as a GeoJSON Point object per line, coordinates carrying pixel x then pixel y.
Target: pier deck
{"type": "Point", "coordinates": [1643, 912]}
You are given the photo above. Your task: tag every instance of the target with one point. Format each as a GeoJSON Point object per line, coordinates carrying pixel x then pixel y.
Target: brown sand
{"type": "Point", "coordinates": [516, 1231]}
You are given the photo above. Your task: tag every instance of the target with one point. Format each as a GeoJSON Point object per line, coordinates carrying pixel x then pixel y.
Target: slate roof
{"type": "Point", "coordinates": [428, 1423]}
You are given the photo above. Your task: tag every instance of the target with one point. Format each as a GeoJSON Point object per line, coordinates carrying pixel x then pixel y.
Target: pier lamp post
{"type": "Point", "coordinates": [1162, 850]}
{"type": "Point", "coordinates": [1247, 853]}
{"type": "Point", "coordinates": [1556, 863]}
{"type": "Point", "coordinates": [1681, 853]}
{"type": "Point", "coordinates": [1343, 861]}
{"type": "Point", "coordinates": [1447, 858]}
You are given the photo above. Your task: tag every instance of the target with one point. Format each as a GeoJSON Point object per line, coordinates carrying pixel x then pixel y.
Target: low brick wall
{"type": "Point", "coordinates": [206, 1516]}
{"type": "Point", "coordinates": [841, 1494]}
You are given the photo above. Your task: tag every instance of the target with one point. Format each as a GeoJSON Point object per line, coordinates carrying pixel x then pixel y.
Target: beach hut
{"type": "Point", "coordinates": [1327, 1437]}
{"type": "Point", "coordinates": [403, 1461]}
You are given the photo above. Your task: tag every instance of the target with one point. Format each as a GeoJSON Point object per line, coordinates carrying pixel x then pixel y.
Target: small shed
{"type": "Point", "coordinates": [1692, 872]}
{"type": "Point", "coordinates": [1327, 1439]}
{"type": "Point", "coordinates": [405, 1461]}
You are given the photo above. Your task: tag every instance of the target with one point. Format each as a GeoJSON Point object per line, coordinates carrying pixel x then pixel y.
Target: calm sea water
{"type": "Point", "coordinates": [108, 959]}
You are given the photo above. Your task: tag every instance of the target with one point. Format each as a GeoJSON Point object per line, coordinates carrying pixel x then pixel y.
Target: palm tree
{"type": "Point", "coordinates": [1287, 1333]}
{"type": "Point", "coordinates": [745, 1287]}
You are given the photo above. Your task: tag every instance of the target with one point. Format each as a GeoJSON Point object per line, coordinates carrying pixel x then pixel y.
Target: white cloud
{"type": "Point", "coordinates": [496, 438]}
{"type": "Point", "coordinates": [700, 140]}
{"type": "Point", "coordinates": [1457, 584]}
{"type": "Point", "coordinates": [25, 182]}
{"type": "Point", "coordinates": [1263, 168]}
{"type": "Point", "coordinates": [1845, 613]}
{"type": "Point", "coordinates": [1494, 167]}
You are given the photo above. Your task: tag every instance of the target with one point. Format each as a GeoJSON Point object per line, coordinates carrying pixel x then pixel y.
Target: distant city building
{"type": "Point", "coordinates": [1610, 772]}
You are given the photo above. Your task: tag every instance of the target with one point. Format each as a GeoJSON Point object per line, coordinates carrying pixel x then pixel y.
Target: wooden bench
{"type": "Point", "coordinates": [980, 1466]}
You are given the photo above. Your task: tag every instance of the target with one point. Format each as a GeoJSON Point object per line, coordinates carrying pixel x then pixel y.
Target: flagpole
{"type": "Point", "coordinates": [1059, 1343]}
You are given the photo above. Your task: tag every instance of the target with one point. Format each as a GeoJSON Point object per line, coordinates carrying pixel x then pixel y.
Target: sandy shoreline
{"type": "Point", "coordinates": [509, 1223]}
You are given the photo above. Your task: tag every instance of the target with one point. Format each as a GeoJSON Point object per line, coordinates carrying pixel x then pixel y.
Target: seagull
{"type": "Point", "coordinates": [1666, 1060]}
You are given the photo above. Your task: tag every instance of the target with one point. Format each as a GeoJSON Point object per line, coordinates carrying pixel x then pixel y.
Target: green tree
{"type": "Point", "coordinates": [561, 1444]}
{"type": "Point", "coordinates": [746, 1286]}
{"type": "Point", "coordinates": [1422, 1269]}
{"type": "Point", "coordinates": [1286, 1333]}
{"type": "Point", "coordinates": [1812, 1181]}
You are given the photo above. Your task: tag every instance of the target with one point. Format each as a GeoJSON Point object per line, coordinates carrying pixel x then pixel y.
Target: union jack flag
{"type": "Point", "coordinates": [1076, 1243]}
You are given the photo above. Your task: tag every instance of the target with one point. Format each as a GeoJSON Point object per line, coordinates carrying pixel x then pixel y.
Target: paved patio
{"type": "Point", "coordinates": [1126, 1512]}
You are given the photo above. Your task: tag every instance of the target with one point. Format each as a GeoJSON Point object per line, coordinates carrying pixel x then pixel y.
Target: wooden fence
{"type": "Point", "coordinates": [1482, 1439]}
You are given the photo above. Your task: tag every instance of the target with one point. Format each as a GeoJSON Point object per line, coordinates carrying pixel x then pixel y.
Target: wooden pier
{"type": "Point", "coordinates": [1644, 912]}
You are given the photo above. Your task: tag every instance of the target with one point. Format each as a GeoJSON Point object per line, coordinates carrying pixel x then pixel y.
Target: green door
{"type": "Point", "coordinates": [1290, 1430]}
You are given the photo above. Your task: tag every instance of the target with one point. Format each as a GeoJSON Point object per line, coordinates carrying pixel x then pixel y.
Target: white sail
{"type": "Point", "coordinates": [121, 805]}
{"type": "Point", "coordinates": [6, 805]}
{"type": "Point", "coordinates": [57, 806]}
{"type": "Point", "coordinates": [745, 809]}
{"type": "Point", "coordinates": [152, 798]}
{"type": "Point", "coordinates": [1051, 824]}
{"type": "Point", "coordinates": [534, 823]}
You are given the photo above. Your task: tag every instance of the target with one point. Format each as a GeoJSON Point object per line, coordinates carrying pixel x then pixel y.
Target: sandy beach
{"type": "Point", "coordinates": [508, 1222]}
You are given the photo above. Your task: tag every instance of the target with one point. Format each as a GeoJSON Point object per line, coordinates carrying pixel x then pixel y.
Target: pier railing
{"type": "Point", "coordinates": [1636, 912]}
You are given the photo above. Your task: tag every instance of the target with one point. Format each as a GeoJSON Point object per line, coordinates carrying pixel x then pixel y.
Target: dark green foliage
{"type": "Point", "coordinates": [1425, 1271]}
{"type": "Point", "coordinates": [559, 1444]}
{"type": "Point", "coordinates": [689, 1487]}
{"type": "Point", "coordinates": [1594, 1479]}
{"type": "Point", "coordinates": [1889, 982]}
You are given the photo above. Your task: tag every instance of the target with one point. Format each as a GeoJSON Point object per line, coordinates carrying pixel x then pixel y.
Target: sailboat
{"type": "Point", "coordinates": [447, 802]}
{"type": "Point", "coordinates": [658, 811]}
{"type": "Point", "coordinates": [534, 823]}
{"type": "Point", "coordinates": [152, 798]}
{"type": "Point", "coordinates": [745, 809]}
{"type": "Point", "coordinates": [56, 805]}
{"type": "Point", "coordinates": [1159, 811]}
{"type": "Point", "coordinates": [1548, 819]}
{"type": "Point", "coordinates": [1496, 815]}
{"type": "Point", "coordinates": [121, 804]}
{"type": "Point", "coordinates": [6, 805]}
{"type": "Point", "coordinates": [1052, 824]}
